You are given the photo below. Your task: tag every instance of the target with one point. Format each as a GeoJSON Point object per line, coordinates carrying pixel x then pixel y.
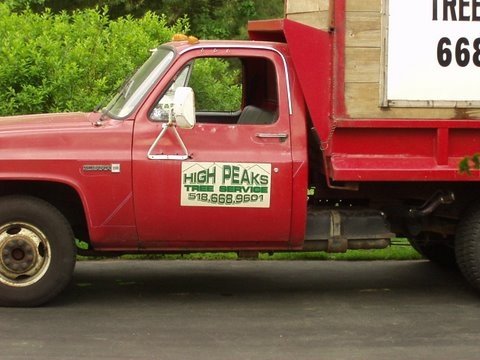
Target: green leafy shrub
{"type": "Point", "coordinates": [208, 18]}
{"type": "Point", "coordinates": [469, 163]}
{"type": "Point", "coordinates": [70, 62]}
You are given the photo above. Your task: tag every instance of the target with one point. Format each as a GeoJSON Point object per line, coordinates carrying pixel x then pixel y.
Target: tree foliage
{"type": "Point", "coordinates": [64, 55]}
{"type": "Point", "coordinates": [69, 62]}
{"type": "Point", "coordinates": [469, 163]}
{"type": "Point", "coordinates": [208, 18]}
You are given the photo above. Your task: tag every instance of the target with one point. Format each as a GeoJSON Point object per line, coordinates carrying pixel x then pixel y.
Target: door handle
{"type": "Point", "coordinates": [281, 136]}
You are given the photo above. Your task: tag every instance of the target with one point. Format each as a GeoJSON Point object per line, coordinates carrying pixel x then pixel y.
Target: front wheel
{"type": "Point", "coordinates": [467, 246]}
{"type": "Point", "coordinates": [37, 251]}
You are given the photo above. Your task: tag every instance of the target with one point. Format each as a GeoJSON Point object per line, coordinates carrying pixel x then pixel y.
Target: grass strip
{"type": "Point", "coordinates": [400, 250]}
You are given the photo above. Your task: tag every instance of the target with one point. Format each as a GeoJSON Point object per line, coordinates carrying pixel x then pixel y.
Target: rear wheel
{"type": "Point", "coordinates": [37, 251]}
{"type": "Point", "coordinates": [435, 248]}
{"type": "Point", "coordinates": [467, 246]}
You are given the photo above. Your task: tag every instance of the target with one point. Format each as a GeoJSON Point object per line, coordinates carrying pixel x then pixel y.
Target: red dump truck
{"type": "Point", "coordinates": [283, 168]}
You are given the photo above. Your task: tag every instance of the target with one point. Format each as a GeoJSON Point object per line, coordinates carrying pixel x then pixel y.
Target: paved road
{"type": "Point", "coordinates": [250, 310]}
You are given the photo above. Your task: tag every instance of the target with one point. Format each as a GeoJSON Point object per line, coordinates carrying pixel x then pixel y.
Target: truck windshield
{"type": "Point", "coordinates": [133, 90]}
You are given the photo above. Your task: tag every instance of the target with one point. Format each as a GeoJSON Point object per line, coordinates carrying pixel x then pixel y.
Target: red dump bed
{"type": "Point", "coordinates": [367, 149]}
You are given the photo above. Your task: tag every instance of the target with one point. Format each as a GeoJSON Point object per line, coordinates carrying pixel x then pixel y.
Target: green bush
{"type": "Point", "coordinates": [70, 62]}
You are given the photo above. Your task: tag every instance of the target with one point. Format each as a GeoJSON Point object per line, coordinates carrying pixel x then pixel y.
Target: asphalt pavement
{"type": "Point", "coordinates": [275, 310]}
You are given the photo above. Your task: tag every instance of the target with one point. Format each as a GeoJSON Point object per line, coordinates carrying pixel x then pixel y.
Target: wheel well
{"type": "Point", "coordinates": [62, 196]}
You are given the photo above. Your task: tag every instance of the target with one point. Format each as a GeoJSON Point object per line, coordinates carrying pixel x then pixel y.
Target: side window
{"type": "Point", "coordinates": [228, 90]}
{"type": "Point", "coordinates": [217, 83]}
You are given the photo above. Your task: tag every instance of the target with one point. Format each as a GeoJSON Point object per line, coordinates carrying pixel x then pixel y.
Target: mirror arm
{"type": "Point", "coordinates": [165, 128]}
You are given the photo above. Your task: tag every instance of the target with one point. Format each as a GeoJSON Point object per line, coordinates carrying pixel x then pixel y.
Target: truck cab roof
{"type": "Point", "coordinates": [181, 46]}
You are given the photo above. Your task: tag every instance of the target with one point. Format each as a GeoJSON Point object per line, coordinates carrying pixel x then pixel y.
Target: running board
{"type": "Point", "coordinates": [336, 230]}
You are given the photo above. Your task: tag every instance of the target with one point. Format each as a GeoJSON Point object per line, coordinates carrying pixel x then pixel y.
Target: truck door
{"type": "Point", "coordinates": [231, 186]}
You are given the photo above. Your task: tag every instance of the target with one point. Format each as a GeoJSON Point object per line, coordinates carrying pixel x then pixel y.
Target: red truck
{"type": "Point", "coordinates": [284, 169]}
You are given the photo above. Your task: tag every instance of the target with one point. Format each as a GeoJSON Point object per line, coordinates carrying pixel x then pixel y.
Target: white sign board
{"type": "Point", "coordinates": [217, 184]}
{"type": "Point", "coordinates": [433, 51]}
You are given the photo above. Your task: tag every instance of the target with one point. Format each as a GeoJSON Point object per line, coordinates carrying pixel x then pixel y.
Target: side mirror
{"type": "Point", "coordinates": [184, 107]}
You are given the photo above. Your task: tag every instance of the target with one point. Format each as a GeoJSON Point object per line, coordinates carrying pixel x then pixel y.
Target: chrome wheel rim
{"type": "Point", "coordinates": [24, 254]}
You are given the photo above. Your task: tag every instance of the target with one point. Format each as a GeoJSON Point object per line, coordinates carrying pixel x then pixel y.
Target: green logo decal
{"type": "Point", "coordinates": [226, 184]}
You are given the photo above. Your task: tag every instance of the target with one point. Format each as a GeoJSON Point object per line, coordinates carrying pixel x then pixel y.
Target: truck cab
{"type": "Point", "coordinates": [133, 178]}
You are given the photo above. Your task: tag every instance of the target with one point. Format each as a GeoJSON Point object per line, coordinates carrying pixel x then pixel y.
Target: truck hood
{"type": "Point", "coordinates": [69, 136]}
{"type": "Point", "coordinates": [47, 122]}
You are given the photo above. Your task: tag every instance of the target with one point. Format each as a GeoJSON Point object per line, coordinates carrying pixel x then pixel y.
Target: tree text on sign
{"type": "Point", "coordinates": [465, 51]}
{"type": "Point", "coordinates": [456, 10]}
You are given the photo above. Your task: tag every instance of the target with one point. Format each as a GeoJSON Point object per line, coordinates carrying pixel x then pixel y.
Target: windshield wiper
{"type": "Point", "coordinates": [120, 91]}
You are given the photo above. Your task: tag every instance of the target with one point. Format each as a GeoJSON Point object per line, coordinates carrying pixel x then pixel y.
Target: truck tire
{"type": "Point", "coordinates": [37, 251]}
{"type": "Point", "coordinates": [438, 251]}
{"type": "Point", "coordinates": [467, 246]}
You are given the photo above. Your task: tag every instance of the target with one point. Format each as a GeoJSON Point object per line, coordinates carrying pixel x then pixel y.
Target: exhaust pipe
{"type": "Point", "coordinates": [432, 204]}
